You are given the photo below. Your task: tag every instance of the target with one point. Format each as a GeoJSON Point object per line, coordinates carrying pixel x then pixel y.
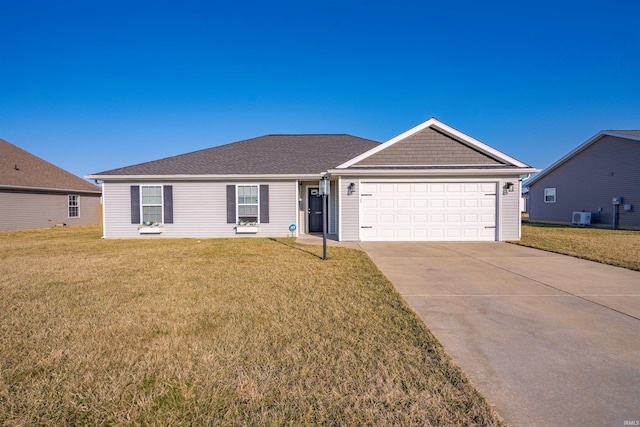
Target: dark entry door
{"type": "Point", "coordinates": [314, 210]}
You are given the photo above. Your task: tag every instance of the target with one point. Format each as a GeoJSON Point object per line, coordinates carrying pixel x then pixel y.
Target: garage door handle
{"type": "Point", "coordinates": [366, 194]}
{"type": "Point", "coordinates": [366, 226]}
{"type": "Point", "coordinates": [490, 226]}
{"type": "Point", "coordinates": [490, 194]}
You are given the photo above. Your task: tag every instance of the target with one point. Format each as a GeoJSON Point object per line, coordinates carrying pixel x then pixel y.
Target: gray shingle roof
{"type": "Point", "coordinates": [19, 168]}
{"type": "Point", "coordinates": [265, 155]}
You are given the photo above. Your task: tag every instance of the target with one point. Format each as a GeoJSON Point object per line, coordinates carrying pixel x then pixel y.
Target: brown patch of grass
{"type": "Point", "coordinates": [213, 332]}
{"type": "Point", "coordinates": [615, 247]}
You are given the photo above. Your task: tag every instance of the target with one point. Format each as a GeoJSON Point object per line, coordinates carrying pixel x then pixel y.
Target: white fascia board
{"type": "Point", "coordinates": [432, 172]}
{"type": "Point", "coordinates": [58, 190]}
{"type": "Point", "coordinates": [130, 178]}
{"type": "Point", "coordinates": [433, 122]}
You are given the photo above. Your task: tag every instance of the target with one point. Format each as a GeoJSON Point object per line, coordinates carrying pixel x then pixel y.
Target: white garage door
{"type": "Point", "coordinates": [428, 211]}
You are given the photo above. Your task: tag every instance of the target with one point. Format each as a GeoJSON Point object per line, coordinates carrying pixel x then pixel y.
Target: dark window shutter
{"type": "Point", "coordinates": [168, 204]}
{"type": "Point", "coordinates": [264, 204]}
{"type": "Point", "coordinates": [231, 204]}
{"type": "Point", "coordinates": [135, 204]}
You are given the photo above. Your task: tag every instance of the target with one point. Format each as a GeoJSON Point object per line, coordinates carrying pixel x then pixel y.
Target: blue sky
{"type": "Point", "coordinates": [96, 85]}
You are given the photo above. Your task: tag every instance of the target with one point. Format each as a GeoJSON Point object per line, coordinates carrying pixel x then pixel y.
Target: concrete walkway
{"type": "Point", "coordinates": [550, 340]}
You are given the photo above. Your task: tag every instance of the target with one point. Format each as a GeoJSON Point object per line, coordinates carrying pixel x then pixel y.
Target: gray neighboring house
{"type": "Point", "coordinates": [430, 183]}
{"type": "Point", "coordinates": [605, 167]}
{"type": "Point", "coordinates": [36, 194]}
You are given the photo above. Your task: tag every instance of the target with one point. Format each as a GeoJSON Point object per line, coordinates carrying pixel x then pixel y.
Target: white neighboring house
{"type": "Point", "coordinates": [430, 183]}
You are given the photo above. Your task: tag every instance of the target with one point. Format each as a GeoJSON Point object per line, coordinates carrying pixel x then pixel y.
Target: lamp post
{"type": "Point", "coordinates": [324, 192]}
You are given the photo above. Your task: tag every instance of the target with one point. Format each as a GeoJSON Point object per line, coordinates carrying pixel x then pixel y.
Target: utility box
{"type": "Point", "coordinates": [616, 201]}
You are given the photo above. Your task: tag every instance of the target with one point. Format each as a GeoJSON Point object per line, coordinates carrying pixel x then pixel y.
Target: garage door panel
{"type": "Point", "coordinates": [420, 218]}
{"type": "Point", "coordinates": [403, 203]}
{"type": "Point", "coordinates": [487, 187]}
{"type": "Point", "coordinates": [420, 203]}
{"type": "Point", "coordinates": [386, 204]}
{"type": "Point", "coordinates": [428, 211]}
{"type": "Point", "coordinates": [369, 203]}
{"type": "Point", "coordinates": [403, 219]}
{"type": "Point", "coordinates": [470, 218]}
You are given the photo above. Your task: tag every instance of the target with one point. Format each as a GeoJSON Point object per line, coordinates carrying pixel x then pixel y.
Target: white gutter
{"type": "Point", "coordinates": [432, 172]}
{"type": "Point", "coordinates": [59, 190]}
{"type": "Point", "coordinates": [204, 177]}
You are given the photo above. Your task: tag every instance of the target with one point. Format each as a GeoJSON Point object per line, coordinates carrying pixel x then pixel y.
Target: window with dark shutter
{"type": "Point", "coordinates": [135, 204]}
{"type": "Point", "coordinates": [231, 204]}
{"type": "Point", "coordinates": [168, 204]}
{"type": "Point", "coordinates": [264, 204]}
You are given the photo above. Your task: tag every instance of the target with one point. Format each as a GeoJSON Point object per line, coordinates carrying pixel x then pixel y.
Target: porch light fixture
{"type": "Point", "coordinates": [351, 188]}
{"type": "Point", "coordinates": [509, 187]}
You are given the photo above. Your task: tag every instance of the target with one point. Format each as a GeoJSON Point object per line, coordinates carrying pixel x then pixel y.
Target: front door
{"type": "Point", "coordinates": [314, 210]}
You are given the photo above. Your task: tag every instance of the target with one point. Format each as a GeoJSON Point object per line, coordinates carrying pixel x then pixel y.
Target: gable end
{"type": "Point", "coordinates": [429, 147]}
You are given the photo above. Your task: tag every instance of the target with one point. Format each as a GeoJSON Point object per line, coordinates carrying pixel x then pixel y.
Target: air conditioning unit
{"type": "Point", "coordinates": [581, 218]}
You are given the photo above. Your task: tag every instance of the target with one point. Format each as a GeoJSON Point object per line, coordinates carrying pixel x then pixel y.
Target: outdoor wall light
{"type": "Point", "coordinates": [509, 187]}
{"type": "Point", "coordinates": [351, 188]}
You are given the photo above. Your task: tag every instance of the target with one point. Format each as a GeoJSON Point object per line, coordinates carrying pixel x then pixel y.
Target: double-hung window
{"type": "Point", "coordinates": [549, 195]}
{"type": "Point", "coordinates": [74, 206]}
{"type": "Point", "coordinates": [248, 204]}
{"type": "Point", "coordinates": [151, 204]}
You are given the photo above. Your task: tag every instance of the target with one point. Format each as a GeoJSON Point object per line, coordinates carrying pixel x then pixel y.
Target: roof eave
{"type": "Point", "coordinates": [49, 189]}
{"type": "Point", "coordinates": [434, 172]}
{"type": "Point", "coordinates": [208, 177]}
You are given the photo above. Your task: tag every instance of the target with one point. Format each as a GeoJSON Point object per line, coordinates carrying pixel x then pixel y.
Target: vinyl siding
{"type": "Point", "coordinates": [509, 218]}
{"type": "Point", "coordinates": [199, 210]}
{"type": "Point", "coordinates": [350, 213]}
{"type": "Point", "coordinates": [21, 211]}
{"type": "Point", "coordinates": [588, 181]}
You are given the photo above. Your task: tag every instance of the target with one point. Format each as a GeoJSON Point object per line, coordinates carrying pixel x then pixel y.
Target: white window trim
{"type": "Point", "coordinates": [551, 191]}
{"type": "Point", "coordinates": [247, 204]}
{"type": "Point", "coordinates": [69, 206]}
{"type": "Point", "coordinates": [143, 205]}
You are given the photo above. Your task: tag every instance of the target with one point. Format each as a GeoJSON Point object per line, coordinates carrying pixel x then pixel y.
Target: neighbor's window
{"type": "Point", "coordinates": [549, 195]}
{"type": "Point", "coordinates": [74, 206]}
{"type": "Point", "coordinates": [247, 203]}
{"type": "Point", "coordinates": [151, 205]}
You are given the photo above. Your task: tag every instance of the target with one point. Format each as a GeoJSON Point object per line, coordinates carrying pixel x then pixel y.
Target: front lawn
{"type": "Point", "coordinates": [615, 247]}
{"type": "Point", "coordinates": [213, 332]}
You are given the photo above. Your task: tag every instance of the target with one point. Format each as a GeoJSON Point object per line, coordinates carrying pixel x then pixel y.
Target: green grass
{"type": "Point", "coordinates": [615, 247]}
{"type": "Point", "coordinates": [213, 332]}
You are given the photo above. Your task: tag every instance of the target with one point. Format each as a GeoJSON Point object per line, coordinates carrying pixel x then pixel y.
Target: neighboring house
{"type": "Point", "coordinates": [605, 167]}
{"type": "Point", "coordinates": [429, 183]}
{"type": "Point", "coordinates": [36, 194]}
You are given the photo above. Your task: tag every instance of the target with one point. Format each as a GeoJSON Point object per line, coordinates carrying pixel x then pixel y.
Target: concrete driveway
{"type": "Point", "coordinates": [548, 339]}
